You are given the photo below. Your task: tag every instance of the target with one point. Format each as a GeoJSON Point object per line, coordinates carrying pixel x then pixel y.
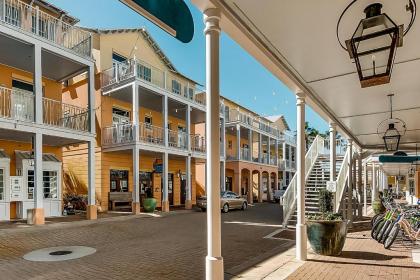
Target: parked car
{"type": "Point", "coordinates": [278, 195]}
{"type": "Point", "coordinates": [228, 200]}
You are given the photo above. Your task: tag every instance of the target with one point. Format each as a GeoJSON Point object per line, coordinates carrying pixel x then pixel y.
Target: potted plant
{"type": "Point", "coordinates": [327, 230]}
{"type": "Point", "coordinates": [149, 203]}
{"type": "Point", "coordinates": [377, 205]}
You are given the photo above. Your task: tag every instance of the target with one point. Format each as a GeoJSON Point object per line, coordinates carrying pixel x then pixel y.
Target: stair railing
{"type": "Point", "coordinates": [289, 198]}
{"type": "Point", "coordinates": [341, 182]}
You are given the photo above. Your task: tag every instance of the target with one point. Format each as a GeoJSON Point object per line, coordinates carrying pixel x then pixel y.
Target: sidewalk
{"type": "Point", "coordinates": [362, 258]}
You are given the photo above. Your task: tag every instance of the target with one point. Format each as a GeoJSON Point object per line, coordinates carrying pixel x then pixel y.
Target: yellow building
{"type": "Point", "coordinates": [40, 47]}
{"type": "Point", "coordinates": [147, 113]}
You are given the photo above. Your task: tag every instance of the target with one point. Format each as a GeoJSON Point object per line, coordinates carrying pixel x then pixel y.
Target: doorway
{"type": "Point", "coordinates": [170, 188]}
{"type": "Point", "coordinates": [183, 188]}
{"type": "Point", "coordinates": [229, 183]}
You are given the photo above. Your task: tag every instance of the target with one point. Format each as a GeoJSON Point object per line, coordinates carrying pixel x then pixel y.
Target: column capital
{"type": "Point", "coordinates": [211, 20]}
{"type": "Point", "coordinates": [300, 98]}
{"type": "Point", "coordinates": [333, 127]}
{"type": "Point", "coordinates": [349, 142]}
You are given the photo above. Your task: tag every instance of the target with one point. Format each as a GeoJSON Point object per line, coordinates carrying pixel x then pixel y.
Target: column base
{"type": "Point", "coordinates": [301, 243]}
{"type": "Point", "coordinates": [214, 268]}
{"type": "Point", "coordinates": [188, 204]}
{"type": "Point", "coordinates": [92, 212]}
{"type": "Point", "coordinates": [135, 208]}
{"type": "Point", "coordinates": [35, 216]}
{"type": "Point", "coordinates": [165, 206]}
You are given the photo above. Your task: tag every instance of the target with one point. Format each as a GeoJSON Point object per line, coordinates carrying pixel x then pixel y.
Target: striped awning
{"type": "Point", "coordinates": [3, 154]}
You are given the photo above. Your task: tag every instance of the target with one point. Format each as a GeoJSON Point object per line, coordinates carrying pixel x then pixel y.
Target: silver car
{"type": "Point", "coordinates": [228, 200]}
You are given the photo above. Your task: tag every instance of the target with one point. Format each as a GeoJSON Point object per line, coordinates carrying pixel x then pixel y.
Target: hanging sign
{"type": "Point", "coordinates": [16, 188]}
{"type": "Point", "coordinates": [332, 186]}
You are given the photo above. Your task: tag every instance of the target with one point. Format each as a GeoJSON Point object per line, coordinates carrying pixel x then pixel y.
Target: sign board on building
{"type": "Point", "coordinates": [332, 186]}
{"type": "Point", "coordinates": [16, 188]}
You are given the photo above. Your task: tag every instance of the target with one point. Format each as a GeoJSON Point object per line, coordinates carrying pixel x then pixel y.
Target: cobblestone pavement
{"type": "Point", "coordinates": [172, 246]}
{"type": "Point", "coordinates": [362, 258]}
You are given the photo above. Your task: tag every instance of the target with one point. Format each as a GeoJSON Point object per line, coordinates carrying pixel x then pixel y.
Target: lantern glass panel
{"type": "Point", "coordinates": [392, 139]}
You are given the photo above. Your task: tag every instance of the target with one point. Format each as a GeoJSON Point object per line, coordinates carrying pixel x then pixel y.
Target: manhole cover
{"type": "Point", "coordinates": [60, 253]}
{"type": "Point", "coordinates": [55, 254]}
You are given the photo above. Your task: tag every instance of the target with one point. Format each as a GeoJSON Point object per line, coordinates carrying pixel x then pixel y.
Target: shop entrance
{"type": "Point", "coordinates": [170, 188]}
{"type": "Point", "coordinates": [183, 188]}
{"type": "Point", "coordinates": [146, 188]}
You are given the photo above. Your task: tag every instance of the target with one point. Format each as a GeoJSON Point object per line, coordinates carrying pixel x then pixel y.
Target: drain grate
{"type": "Point", "coordinates": [60, 253]}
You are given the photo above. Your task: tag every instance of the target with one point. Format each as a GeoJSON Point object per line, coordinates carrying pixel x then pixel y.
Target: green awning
{"type": "Point", "coordinates": [398, 159]}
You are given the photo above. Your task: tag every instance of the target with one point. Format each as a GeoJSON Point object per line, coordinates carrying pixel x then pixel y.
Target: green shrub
{"type": "Point", "coordinates": [326, 208]}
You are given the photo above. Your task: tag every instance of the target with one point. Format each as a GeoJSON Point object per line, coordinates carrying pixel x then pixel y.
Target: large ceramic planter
{"type": "Point", "coordinates": [378, 207]}
{"type": "Point", "coordinates": [327, 237]}
{"type": "Point", "coordinates": [149, 205]}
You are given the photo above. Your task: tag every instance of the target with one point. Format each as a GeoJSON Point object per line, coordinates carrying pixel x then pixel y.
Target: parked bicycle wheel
{"type": "Point", "coordinates": [388, 231]}
{"type": "Point", "coordinates": [377, 228]}
{"type": "Point", "coordinates": [384, 229]}
{"type": "Point", "coordinates": [392, 236]}
{"type": "Point", "coordinates": [376, 218]}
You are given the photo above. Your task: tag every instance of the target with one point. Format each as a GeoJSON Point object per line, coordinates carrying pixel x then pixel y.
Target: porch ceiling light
{"type": "Point", "coordinates": [395, 129]}
{"type": "Point", "coordinates": [374, 43]}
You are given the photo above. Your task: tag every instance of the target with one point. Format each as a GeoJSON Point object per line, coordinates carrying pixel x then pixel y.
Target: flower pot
{"type": "Point", "coordinates": [378, 207]}
{"type": "Point", "coordinates": [149, 205]}
{"type": "Point", "coordinates": [327, 237]}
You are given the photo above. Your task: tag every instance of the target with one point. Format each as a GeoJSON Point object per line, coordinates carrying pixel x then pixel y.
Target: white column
{"type": "Point", "coordinates": [38, 84]}
{"type": "Point", "coordinates": [301, 250]}
{"type": "Point", "coordinates": [277, 155]}
{"type": "Point", "coordinates": [165, 119]}
{"type": "Point", "coordinates": [188, 117]}
{"type": "Point", "coordinates": [188, 200]}
{"type": "Point", "coordinates": [214, 260]}
{"type": "Point", "coordinates": [260, 151]}
{"type": "Point", "coordinates": [38, 211]}
{"type": "Point", "coordinates": [333, 152]}
{"type": "Point", "coordinates": [251, 145]}
{"type": "Point", "coordinates": [350, 184]}
{"type": "Point", "coordinates": [223, 136]}
{"type": "Point", "coordinates": [397, 185]}
{"type": "Point", "coordinates": [165, 182]}
{"type": "Point", "coordinates": [135, 152]}
{"type": "Point", "coordinates": [374, 187]}
{"type": "Point", "coordinates": [91, 99]}
{"type": "Point", "coordinates": [268, 149]}
{"type": "Point", "coordinates": [238, 141]}
{"type": "Point", "coordinates": [359, 185]}
{"type": "Point", "coordinates": [365, 182]}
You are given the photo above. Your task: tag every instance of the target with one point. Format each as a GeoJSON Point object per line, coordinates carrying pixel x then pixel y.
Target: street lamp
{"type": "Point", "coordinates": [373, 46]}
{"type": "Point", "coordinates": [391, 138]}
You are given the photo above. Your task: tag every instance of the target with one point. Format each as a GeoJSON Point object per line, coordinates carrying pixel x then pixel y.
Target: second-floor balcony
{"type": "Point", "coordinates": [19, 105]}
{"type": "Point", "coordinates": [152, 135]}
{"type": "Point", "coordinates": [30, 19]}
{"type": "Point", "coordinates": [235, 115]}
{"type": "Point", "coordinates": [123, 71]}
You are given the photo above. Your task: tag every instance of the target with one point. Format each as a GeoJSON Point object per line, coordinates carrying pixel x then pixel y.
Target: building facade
{"type": "Point", "coordinates": [40, 47]}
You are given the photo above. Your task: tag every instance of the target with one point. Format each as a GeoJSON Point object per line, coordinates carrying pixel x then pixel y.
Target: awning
{"type": "Point", "coordinates": [20, 155]}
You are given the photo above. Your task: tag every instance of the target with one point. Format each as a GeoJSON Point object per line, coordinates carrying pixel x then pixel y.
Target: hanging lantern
{"type": "Point", "coordinates": [373, 46]}
{"type": "Point", "coordinates": [392, 130]}
{"type": "Point", "coordinates": [392, 138]}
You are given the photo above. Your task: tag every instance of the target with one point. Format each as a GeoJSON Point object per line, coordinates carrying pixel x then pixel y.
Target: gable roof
{"type": "Point", "coordinates": [66, 17]}
{"type": "Point", "coordinates": [152, 43]}
{"type": "Point", "coordinates": [279, 117]}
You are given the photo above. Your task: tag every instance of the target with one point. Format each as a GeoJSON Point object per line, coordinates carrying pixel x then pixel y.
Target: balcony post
{"type": "Point", "coordinates": [365, 182]}
{"type": "Point", "coordinates": [350, 183]}
{"type": "Point", "coordinates": [276, 147]}
{"type": "Point", "coordinates": [135, 208]}
{"type": "Point", "coordinates": [238, 141]}
{"type": "Point", "coordinates": [38, 84]}
{"type": "Point", "coordinates": [301, 246]}
{"type": "Point", "coordinates": [4, 10]}
{"type": "Point", "coordinates": [165, 201]}
{"type": "Point", "coordinates": [36, 215]}
{"type": "Point", "coordinates": [165, 120]}
{"type": "Point", "coordinates": [135, 111]}
{"type": "Point", "coordinates": [223, 139]}
{"type": "Point", "coordinates": [260, 151]}
{"type": "Point", "coordinates": [250, 142]}
{"type": "Point", "coordinates": [214, 260]}
{"type": "Point", "coordinates": [91, 208]}
{"type": "Point", "coordinates": [91, 99]}
{"type": "Point", "coordinates": [374, 187]}
{"type": "Point", "coordinates": [37, 20]}
{"type": "Point", "coordinates": [360, 194]}
{"type": "Point", "coordinates": [188, 200]}
{"type": "Point", "coordinates": [188, 117]}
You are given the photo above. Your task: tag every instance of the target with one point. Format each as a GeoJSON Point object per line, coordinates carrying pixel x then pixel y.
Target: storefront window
{"type": "Point", "coordinates": [119, 180]}
{"type": "Point", "coordinates": [1, 184]}
{"type": "Point", "coordinates": [50, 184]}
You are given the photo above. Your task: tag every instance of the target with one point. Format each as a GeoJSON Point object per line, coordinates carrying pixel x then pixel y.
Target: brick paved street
{"type": "Point", "coordinates": [169, 247]}
{"type": "Point", "coordinates": [362, 258]}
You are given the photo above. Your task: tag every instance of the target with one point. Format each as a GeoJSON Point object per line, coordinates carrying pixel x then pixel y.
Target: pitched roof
{"type": "Point", "coordinates": [279, 117]}
{"type": "Point", "coordinates": [66, 17]}
{"type": "Point", "coordinates": [153, 44]}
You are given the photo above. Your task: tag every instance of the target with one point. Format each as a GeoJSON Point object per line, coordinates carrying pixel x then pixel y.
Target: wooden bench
{"type": "Point", "coordinates": [120, 197]}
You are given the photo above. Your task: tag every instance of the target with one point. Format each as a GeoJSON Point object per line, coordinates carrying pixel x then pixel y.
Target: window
{"type": "Point", "coordinates": [230, 144]}
{"type": "Point", "coordinates": [191, 93]}
{"type": "Point", "coordinates": [50, 184]}
{"type": "Point", "coordinates": [116, 58]}
{"type": "Point", "coordinates": [144, 72]}
{"type": "Point", "coordinates": [148, 120]}
{"type": "Point", "coordinates": [176, 87]}
{"type": "Point", "coordinates": [120, 116]}
{"type": "Point", "coordinates": [1, 184]}
{"type": "Point", "coordinates": [119, 180]}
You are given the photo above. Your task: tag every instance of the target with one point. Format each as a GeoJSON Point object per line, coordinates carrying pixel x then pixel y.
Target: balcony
{"type": "Point", "coordinates": [32, 20]}
{"type": "Point", "coordinates": [234, 116]}
{"type": "Point", "coordinates": [152, 135]}
{"type": "Point", "coordinates": [288, 138]}
{"type": "Point", "coordinates": [19, 105]}
{"type": "Point", "coordinates": [145, 72]}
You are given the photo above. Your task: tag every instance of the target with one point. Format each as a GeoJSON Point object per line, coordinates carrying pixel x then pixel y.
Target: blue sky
{"type": "Point", "coordinates": [243, 79]}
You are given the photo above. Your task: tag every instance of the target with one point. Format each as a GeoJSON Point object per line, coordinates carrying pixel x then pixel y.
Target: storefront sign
{"type": "Point", "coordinates": [332, 186]}
{"type": "Point", "coordinates": [16, 188]}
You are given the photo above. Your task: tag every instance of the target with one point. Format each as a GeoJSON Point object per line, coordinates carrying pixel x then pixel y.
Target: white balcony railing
{"type": "Point", "coordinates": [60, 114]}
{"type": "Point", "coordinates": [341, 182]}
{"type": "Point", "coordinates": [31, 19]}
{"type": "Point", "coordinates": [154, 76]}
{"type": "Point", "coordinates": [177, 139]}
{"type": "Point", "coordinates": [245, 154]}
{"type": "Point", "coordinates": [281, 164]}
{"type": "Point", "coordinates": [19, 105]}
{"type": "Point", "coordinates": [273, 160]}
{"type": "Point", "coordinates": [236, 115]}
{"type": "Point", "coordinates": [198, 143]}
{"type": "Point", "coordinates": [118, 134]}
{"type": "Point", "coordinates": [151, 134]}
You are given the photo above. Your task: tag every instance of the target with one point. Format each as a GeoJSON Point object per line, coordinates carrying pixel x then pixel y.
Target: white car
{"type": "Point", "coordinates": [278, 194]}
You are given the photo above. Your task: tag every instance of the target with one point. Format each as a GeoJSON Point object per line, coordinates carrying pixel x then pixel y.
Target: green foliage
{"type": "Point", "coordinates": [326, 208]}
{"type": "Point", "coordinates": [325, 217]}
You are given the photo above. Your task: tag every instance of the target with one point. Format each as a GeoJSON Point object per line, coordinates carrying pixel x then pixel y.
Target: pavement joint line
{"type": "Point", "coordinates": [271, 235]}
{"type": "Point", "coordinates": [252, 224]}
